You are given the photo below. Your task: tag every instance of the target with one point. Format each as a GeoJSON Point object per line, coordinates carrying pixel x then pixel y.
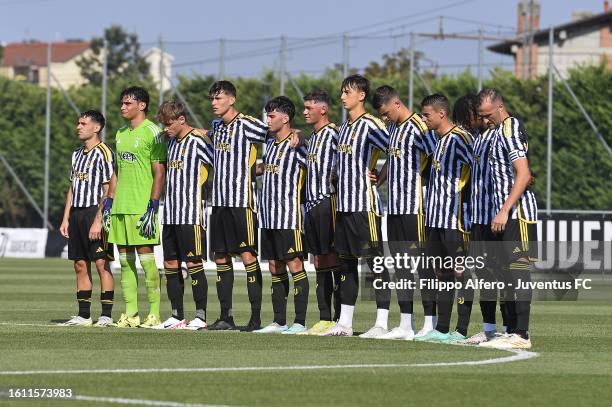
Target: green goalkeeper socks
{"type": "Point", "coordinates": [152, 281]}
{"type": "Point", "coordinates": [129, 282]}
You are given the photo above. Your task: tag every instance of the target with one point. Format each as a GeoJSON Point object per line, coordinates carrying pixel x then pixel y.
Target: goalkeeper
{"type": "Point", "coordinates": [133, 199]}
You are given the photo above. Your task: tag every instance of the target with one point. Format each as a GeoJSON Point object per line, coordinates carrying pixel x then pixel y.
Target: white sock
{"type": "Point", "coordinates": [487, 327]}
{"type": "Point", "coordinates": [406, 322]}
{"type": "Point", "coordinates": [429, 322]}
{"type": "Point", "coordinates": [346, 315]}
{"type": "Point", "coordinates": [382, 316]}
{"type": "Point", "coordinates": [504, 329]}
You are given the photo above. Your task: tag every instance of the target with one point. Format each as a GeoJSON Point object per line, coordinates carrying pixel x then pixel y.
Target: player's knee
{"type": "Point", "coordinates": [80, 266]}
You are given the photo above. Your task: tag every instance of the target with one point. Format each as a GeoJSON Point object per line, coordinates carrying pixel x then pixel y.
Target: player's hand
{"type": "Point", "coordinates": [95, 231]}
{"type": "Point", "coordinates": [64, 229]}
{"type": "Point", "coordinates": [373, 175]}
{"type": "Point", "coordinates": [532, 181]}
{"type": "Point", "coordinates": [297, 139]}
{"type": "Point", "coordinates": [147, 224]}
{"type": "Point", "coordinates": [106, 213]}
{"type": "Point", "coordinates": [499, 222]}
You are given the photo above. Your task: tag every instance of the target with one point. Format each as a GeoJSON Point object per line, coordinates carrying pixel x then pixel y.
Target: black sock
{"type": "Point", "coordinates": [349, 282]}
{"type": "Point", "coordinates": [405, 296]}
{"type": "Point", "coordinates": [445, 305]}
{"type": "Point", "coordinates": [325, 289]}
{"type": "Point", "coordinates": [301, 290]}
{"type": "Point", "coordinates": [508, 304]}
{"type": "Point", "coordinates": [280, 289]}
{"type": "Point", "coordinates": [175, 287]}
{"type": "Point", "coordinates": [521, 270]}
{"type": "Point", "coordinates": [487, 309]}
{"type": "Point", "coordinates": [225, 286]}
{"type": "Point", "coordinates": [199, 288]}
{"type": "Point", "coordinates": [106, 299]}
{"type": "Point", "coordinates": [428, 295]}
{"type": "Point", "coordinates": [383, 295]}
{"type": "Point", "coordinates": [465, 300]}
{"type": "Point", "coordinates": [336, 293]}
{"type": "Point", "coordinates": [254, 288]}
{"type": "Point", "coordinates": [84, 301]}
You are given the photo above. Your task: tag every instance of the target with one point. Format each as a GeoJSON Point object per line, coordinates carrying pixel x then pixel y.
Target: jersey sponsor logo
{"type": "Point", "coordinates": [345, 149]}
{"type": "Point", "coordinates": [127, 156]}
{"type": "Point", "coordinates": [224, 147]}
{"type": "Point", "coordinates": [272, 168]}
{"type": "Point", "coordinates": [175, 165]}
{"type": "Point", "coordinates": [395, 152]}
{"type": "Point", "coordinates": [81, 176]}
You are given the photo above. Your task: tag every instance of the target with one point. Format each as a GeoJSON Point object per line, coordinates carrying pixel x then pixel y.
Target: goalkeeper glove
{"type": "Point", "coordinates": [106, 213]}
{"type": "Point", "coordinates": [147, 223]}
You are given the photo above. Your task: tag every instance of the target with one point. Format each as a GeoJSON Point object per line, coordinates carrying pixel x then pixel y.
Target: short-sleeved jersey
{"type": "Point", "coordinates": [283, 178]}
{"type": "Point", "coordinates": [137, 149]}
{"type": "Point", "coordinates": [235, 147]}
{"type": "Point", "coordinates": [186, 173]}
{"type": "Point", "coordinates": [481, 184]}
{"type": "Point", "coordinates": [359, 144]}
{"type": "Point", "coordinates": [89, 171]}
{"type": "Point", "coordinates": [448, 205]}
{"type": "Point", "coordinates": [322, 148]}
{"type": "Point", "coordinates": [510, 144]}
{"type": "Point", "coordinates": [410, 148]}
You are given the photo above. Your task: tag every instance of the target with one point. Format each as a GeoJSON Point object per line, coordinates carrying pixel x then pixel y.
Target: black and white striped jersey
{"type": "Point", "coordinates": [89, 170]}
{"type": "Point", "coordinates": [283, 178]}
{"type": "Point", "coordinates": [510, 144]}
{"type": "Point", "coordinates": [186, 174]}
{"type": "Point", "coordinates": [322, 148]}
{"type": "Point", "coordinates": [235, 147]}
{"type": "Point", "coordinates": [359, 145]}
{"type": "Point", "coordinates": [448, 205]}
{"type": "Point", "coordinates": [410, 147]}
{"type": "Point", "coordinates": [481, 183]}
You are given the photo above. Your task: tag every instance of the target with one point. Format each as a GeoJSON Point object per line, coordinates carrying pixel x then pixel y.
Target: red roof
{"type": "Point", "coordinates": [20, 54]}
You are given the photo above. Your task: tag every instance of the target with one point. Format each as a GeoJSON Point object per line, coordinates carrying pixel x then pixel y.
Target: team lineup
{"type": "Point", "coordinates": [458, 185]}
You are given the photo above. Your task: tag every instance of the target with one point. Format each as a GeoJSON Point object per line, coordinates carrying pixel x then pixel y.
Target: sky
{"type": "Point", "coordinates": [191, 29]}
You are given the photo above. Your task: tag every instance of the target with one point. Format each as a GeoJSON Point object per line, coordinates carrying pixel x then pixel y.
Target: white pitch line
{"type": "Point", "coordinates": [157, 403]}
{"type": "Point", "coordinates": [518, 355]}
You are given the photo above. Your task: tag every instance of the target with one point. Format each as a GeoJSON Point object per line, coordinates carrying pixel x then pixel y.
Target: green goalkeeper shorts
{"type": "Point", "coordinates": [123, 231]}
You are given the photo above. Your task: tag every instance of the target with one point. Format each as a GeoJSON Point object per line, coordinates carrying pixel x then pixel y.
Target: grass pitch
{"type": "Point", "coordinates": [572, 339]}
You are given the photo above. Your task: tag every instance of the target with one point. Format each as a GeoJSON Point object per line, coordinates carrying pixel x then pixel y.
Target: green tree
{"type": "Point", "coordinates": [124, 59]}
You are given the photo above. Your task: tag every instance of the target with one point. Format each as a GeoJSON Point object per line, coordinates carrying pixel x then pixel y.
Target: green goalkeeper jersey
{"type": "Point", "coordinates": [136, 149]}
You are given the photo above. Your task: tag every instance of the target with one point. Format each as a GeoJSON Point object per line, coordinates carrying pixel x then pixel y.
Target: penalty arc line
{"type": "Point", "coordinates": [518, 355]}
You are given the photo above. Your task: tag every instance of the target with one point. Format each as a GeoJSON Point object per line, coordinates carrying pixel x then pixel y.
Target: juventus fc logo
{"type": "Point", "coordinates": [194, 283]}
{"type": "Point", "coordinates": [476, 159]}
{"type": "Point", "coordinates": [218, 279]}
{"type": "Point", "coordinates": [251, 279]}
{"type": "Point", "coordinates": [342, 277]}
{"type": "Point", "coordinates": [460, 300]}
{"type": "Point", "coordinates": [296, 291]}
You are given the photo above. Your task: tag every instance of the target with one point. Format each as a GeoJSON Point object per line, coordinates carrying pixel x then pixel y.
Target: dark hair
{"type": "Point", "coordinates": [281, 104]}
{"type": "Point", "coordinates": [139, 94]}
{"type": "Point", "coordinates": [222, 86]}
{"type": "Point", "coordinates": [318, 96]}
{"type": "Point", "coordinates": [383, 95]}
{"type": "Point", "coordinates": [437, 101]}
{"type": "Point", "coordinates": [491, 94]}
{"type": "Point", "coordinates": [171, 110]}
{"type": "Point", "coordinates": [95, 117]}
{"type": "Point", "coordinates": [358, 82]}
{"type": "Point", "coordinates": [464, 109]}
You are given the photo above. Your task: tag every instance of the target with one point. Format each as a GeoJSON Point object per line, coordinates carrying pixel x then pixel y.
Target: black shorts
{"type": "Point", "coordinates": [184, 243]}
{"type": "Point", "coordinates": [319, 224]}
{"type": "Point", "coordinates": [358, 234]}
{"type": "Point", "coordinates": [483, 242]}
{"type": "Point", "coordinates": [445, 243]}
{"type": "Point", "coordinates": [519, 240]}
{"type": "Point", "coordinates": [281, 244]}
{"type": "Point", "coordinates": [233, 230]}
{"type": "Point", "coordinates": [405, 233]}
{"type": "Point", "coordinates": [79, 245]}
